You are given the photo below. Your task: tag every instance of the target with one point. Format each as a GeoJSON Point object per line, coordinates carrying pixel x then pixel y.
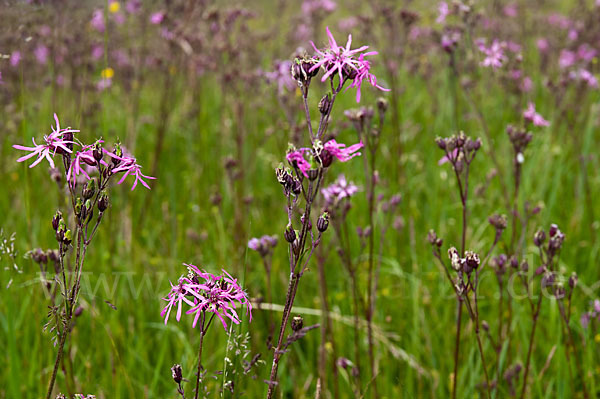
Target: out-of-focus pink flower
{"type": "Point", "coordinates": [586, 53]}
{"type": "Point", "coordinates": [337, 58]}
{"type": "Point", "coordinates": [559, 20]}
{"type": "Point", "coordinates": [53, 143]}
{"type": "Point", "coordinates": [97, 21]}
{"type": "Point", "coordinates": [119, 18]}
{"type": "Point", "coordinates": [585, 320]}
{"type": "Point", "coordinates": [281, 76]}
{"type": "Point", "coordinates": [15, 58]}
{"type": "Point", "coordinates": [157, 17]}
{"type": "Point", "coordinates": [133, 6]}
{"type": "Point", "coordinates": [97, 52]}
{"type": "Point", "coordinates": [41, 53]}
{"type": "Point", "coordinates": [513, 47]}
{"type": "Point", "coordinates": [364, 74]}
{"type": "Point", "coordinates": [573, 34]}
{"type": "Point", "coordinates": [60, 80]}
{"type": "Point", "coordinates": [443, 12]}
{"type": "Point", "coordinates": [510, 10]}
{"type": "Point", "coordinates": [103, 84]}
{"type": "Point", "coordinates": [566, 59]}
{"type": "Point", "coordinates": [585, 76]}
{"type": "Point", "coordinates": [45, 30]}
{"type": "Point", "coordinates": [341, 152]}
{"type": "Point", "coordinates": [207, 293]}
{"type": "Point", "coordinates": [526, 84]}
{"type": "Point", "coordinates": [349, 23]}
{"type": "Point", "coordinates": [494, 54]}
{"type": "Point", "coordinates": [313, 6]}
{"type": "Point", "coordinates": [532, 116]}
{"type": "Point", "coordinates": [542, 44]}
{"type": "Point", "coordinates": [338, 190]}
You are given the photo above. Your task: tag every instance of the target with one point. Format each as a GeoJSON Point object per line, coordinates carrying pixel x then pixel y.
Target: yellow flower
{"type": "Point", "coordinates": [597, 338]}
{"type": "Point", "coordinates": [107, 73]}
{"type": "Point", "coordinates": [114, 7]}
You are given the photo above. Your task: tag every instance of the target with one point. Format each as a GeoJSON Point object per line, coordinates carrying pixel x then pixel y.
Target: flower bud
{"type": "Point", "coordinates": [325, 104]}
{"type": "Point", "coordinates": [97, 152]}
{"type": "Point", "coordinates": [56, 220]}
{"type": "Point", "coordinates": [323, 222]}
{"type": "Point", "coordinates": [326, 158]}
{"type": "Point", "coordinates": [312, 174]}
{"type": "Point", "coordinates": [103, 202]}
{"type": "Point", "coordinates": [539, 238]}
{"type": "Point", "coordinates": [290, 234]}
{"type": "Point", "coordinates": [382, 104]}
{"type": "Point", "coordinates": [553, 230]}
{"type": "Point", "coordinates": [573, 280]}
{"type": "Point", "coordinates": [177, 373]}
{"type": "Point", "coordinates": [68, 237]}
{"type": "Point", "coordinates": [297, 323]}
{"type": "Point", "coordinates": [441, 142]}
{"type": "Point", "coordinates": [89, 190]}
{"type": "Point", "coordinates": [485, 325]}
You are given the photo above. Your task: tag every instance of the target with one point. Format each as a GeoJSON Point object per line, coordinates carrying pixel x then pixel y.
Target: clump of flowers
{"type": "Point", "coordinates": [207, 296]}
{"type": "Point", "coordinates": [87, 172]}
{"type": "Point", "coordinates": [346, 63]}
{"type": "Point", "coordinates": [531, 115]}
{"type": "Point", "coordinates": [207, 293]}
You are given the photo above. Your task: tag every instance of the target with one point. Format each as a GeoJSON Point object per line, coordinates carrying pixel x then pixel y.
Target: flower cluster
{"type": "Point", "coordinates": [337, 191]}
{"type": "Point", "coordinates": [323, 153]}
{"type": "Point", "coordinates": [494, 54]}
{"type": "Point", "coordinates": [532, 116]}
{"type": "Point", "coordinates": [263, 245]}
{"type": "Point", "coordinates": [347, 63]}
{"type": "Point", "coordinates": [205, 292]}
{"type": "Point", "coordinates": [593, 313]}
{"type": "Point", "coordinates": [62, 141]}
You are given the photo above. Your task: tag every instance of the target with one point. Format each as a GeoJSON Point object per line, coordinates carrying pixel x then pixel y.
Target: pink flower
{"type": "Point", "coordinates": [543, 45]}
{"type": "Point", "coordinates": [103, 84]}
{"type": "Point", "coordinates": [340, 151]}
{"type": "Point", "coordinates": [526, 84]}
{"type": "Point", "coordinates": [585, 52]}
{"type": "Point", "coordinates": [281, 76]}
{"type": "Point", "coordinates": [510, 10]}
{"type": "Point", "coordinates": [207, 293]}
{"type": "Point", "coordinates": [532, 116]}
{"type": "Point", "coordinates": [566, 59]}
{"type": "Point", "coordinates": [52, 143]}
{"type": "Point", "coordinates": [41, 53]}
{"type": "Point", "coordinates": [97, 21]}
{"type": "Point", "coordinates": [494, 55]}
{"type": "Point", "coordinates": [338, 190]}
{"type": "Point", "coordinates": [337, 58]}
{"type": "Point", "coordinates": [443, 12]}
{"type": "Point", "coordinates": [445, 158]}
{"type": "Point", "coordinates": [15, 58]}
{"type": "Point", "coordinates": [585, 76]}
{"type": "Point", "coordinates": [85, 155]}
{"type": "Point", "coordinates": [129, 165]}
{"type": "Point", "coordinates": [313, 6]}
{"type": "Point", "coordinates": [296, 158]}
{"type": "Point", "coordinates": [362, 74]}
{"type": "Point", "coordinates": [157, 17]}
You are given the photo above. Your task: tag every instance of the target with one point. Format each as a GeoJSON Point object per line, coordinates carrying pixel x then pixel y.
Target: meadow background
{"type": "Point", "coordinates": [189, 96]}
